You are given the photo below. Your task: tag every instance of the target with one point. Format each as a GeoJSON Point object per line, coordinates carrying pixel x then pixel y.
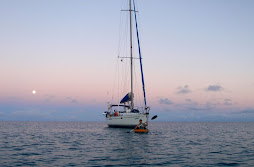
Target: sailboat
{"type": "Point", "coordinates": [125, 114]}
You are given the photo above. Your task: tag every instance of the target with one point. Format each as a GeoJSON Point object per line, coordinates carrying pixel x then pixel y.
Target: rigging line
{"type": "Point", "coordinates": [139, 50]}
{"type": "Point", "coordinates": [123, 78]}
{"type": "Point", "coordinates": [114, 83]}
{"type": "Point", "coordinates": [122, 50]}
{"type": "Point", "coordinates": [124, 31]}
{"type": "Point", "coordinates": [118, 81]}
{"type": "Point", "coordinates": [117, 71]}
{"type": "Point", "coordinates": [125, 63]}
{"type": "Point", "coordinates": [138, 101]}
{"type": "Point", "coordinates": [119, 33]}
{"type": "Point", "coordinates": [127, 78]}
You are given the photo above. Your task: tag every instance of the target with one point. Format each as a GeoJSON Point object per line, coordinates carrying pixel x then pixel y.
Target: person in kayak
{"type": "Point", "coordinates": [141, 125]}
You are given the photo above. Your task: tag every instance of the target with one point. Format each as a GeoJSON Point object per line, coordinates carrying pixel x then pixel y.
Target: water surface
{"type": "Point", "coordinates": [94, 144]}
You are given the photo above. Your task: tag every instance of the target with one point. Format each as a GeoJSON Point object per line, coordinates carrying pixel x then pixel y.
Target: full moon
{"type": "Point", "coordinates": [33, 91]}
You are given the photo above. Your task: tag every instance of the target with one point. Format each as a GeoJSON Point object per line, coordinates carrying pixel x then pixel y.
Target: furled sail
{"type": "Point", "coordinates": [127, 97]}
{"type": "Point", "coordinates": [140, 57]}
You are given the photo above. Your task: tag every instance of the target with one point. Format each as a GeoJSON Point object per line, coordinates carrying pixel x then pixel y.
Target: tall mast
{"type": "Point", "coordinates": [132, 105]}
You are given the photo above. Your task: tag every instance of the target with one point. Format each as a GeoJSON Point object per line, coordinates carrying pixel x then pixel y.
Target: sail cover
{"type": "Point", "coordinates": [127, 98]}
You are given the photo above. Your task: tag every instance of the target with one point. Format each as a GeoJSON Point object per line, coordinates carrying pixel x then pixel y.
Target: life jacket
{"type": "Point", "coordinates": [141, 126]}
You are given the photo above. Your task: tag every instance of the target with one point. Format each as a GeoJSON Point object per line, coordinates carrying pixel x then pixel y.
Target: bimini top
{"type": "Point", "coordinates": [119, 105]}
{"type": "Point", "coordinates": [127, 97]}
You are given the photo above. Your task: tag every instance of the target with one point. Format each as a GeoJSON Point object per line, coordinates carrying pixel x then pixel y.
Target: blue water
{"type": "Point", "coordinates": [94, 144]}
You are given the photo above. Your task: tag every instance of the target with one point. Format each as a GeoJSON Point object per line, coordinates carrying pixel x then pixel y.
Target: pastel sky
{"type": "Point", "coordinates": [198, 58]}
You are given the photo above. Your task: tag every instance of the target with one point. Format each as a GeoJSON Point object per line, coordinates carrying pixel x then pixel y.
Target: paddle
{"type": "Point", "coordinates": [130, 131]}
{"type": "Point", "coordinates": [154, 117]}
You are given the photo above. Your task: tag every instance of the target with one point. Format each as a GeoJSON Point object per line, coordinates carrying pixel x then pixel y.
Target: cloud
{"type": "Point", "coordinates": [10, 99]}
{"type": "Point", "coordinates": [30, 114]}
{"type": "Point", "coordinates": [228, 102]}
{"type": "Point", "coordinates": [13, 98]}
{"type": "Point", "coordinates": [190, 105]}
{"type": "Point", "coordinates": [214, 88]}
{"type": "Point", "coordinates": [72, 100]}
{"type": "Point", "coordinates": [165, 101]}
{"type": "Point", "coordinates": [246, 111]}
{"type": "Point", "coordinates": [211, 105]}
{"type": "Point", "coordinates": [183, 90]}
{"type": "Point", "coordinates": [2, 113]}
{"type": "Point", "coordinates": [218, 115]}
{"type": "Point", "coordinates": [51, 112]}
{"type": "Point", "coordinates": [208, 106]}
{"type": "Point", "coordinates": [49, 98]}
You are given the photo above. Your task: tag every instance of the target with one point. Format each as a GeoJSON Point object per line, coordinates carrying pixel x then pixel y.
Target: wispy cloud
{"type": "Point", "coordinates": [30, 114]}
{"type": "Point", "coordinates": [183, 90]}
{"type": "Point", "coordinates": [165, 101]}
{"type": "Point", "coordinates": [202, 107]}
{"type": "Point", "coordinates": [214, 88]}
{"type": "Point", "coordinates": [2, 114]}
{"type": "Point", "coordinates": [72, 100]}
{"type": "Point", "coordinates": [211, 105]}
{"type": "Point", "coordinates": [246, 111]}
{"type": "Point", "coordinates": [190, 105]}
{"type": "Point", "coordinates": [228, 102]}
{"type": "Point", "coordinates": [57, 112]}
{"type": "Point", "coordinates": [49, 98]}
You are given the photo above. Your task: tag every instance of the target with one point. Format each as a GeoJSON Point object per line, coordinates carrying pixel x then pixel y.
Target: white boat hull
{"type": "Point", "coordinates": [128, 120]}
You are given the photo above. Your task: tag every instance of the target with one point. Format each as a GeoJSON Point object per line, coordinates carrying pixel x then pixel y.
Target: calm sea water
{"type": "Point", "coordinates": [94, 144]}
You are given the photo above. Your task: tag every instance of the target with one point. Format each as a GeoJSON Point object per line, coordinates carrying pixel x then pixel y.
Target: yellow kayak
{"type": "Point", "coordinates": [140, 130]}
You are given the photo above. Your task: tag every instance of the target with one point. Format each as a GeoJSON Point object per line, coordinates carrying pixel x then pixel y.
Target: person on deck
{"type": "Point", "coordinates": [141, 125]}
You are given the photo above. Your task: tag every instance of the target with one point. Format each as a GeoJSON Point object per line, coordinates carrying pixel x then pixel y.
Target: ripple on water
{"type": "Point", "coordinates": [93, 144]}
